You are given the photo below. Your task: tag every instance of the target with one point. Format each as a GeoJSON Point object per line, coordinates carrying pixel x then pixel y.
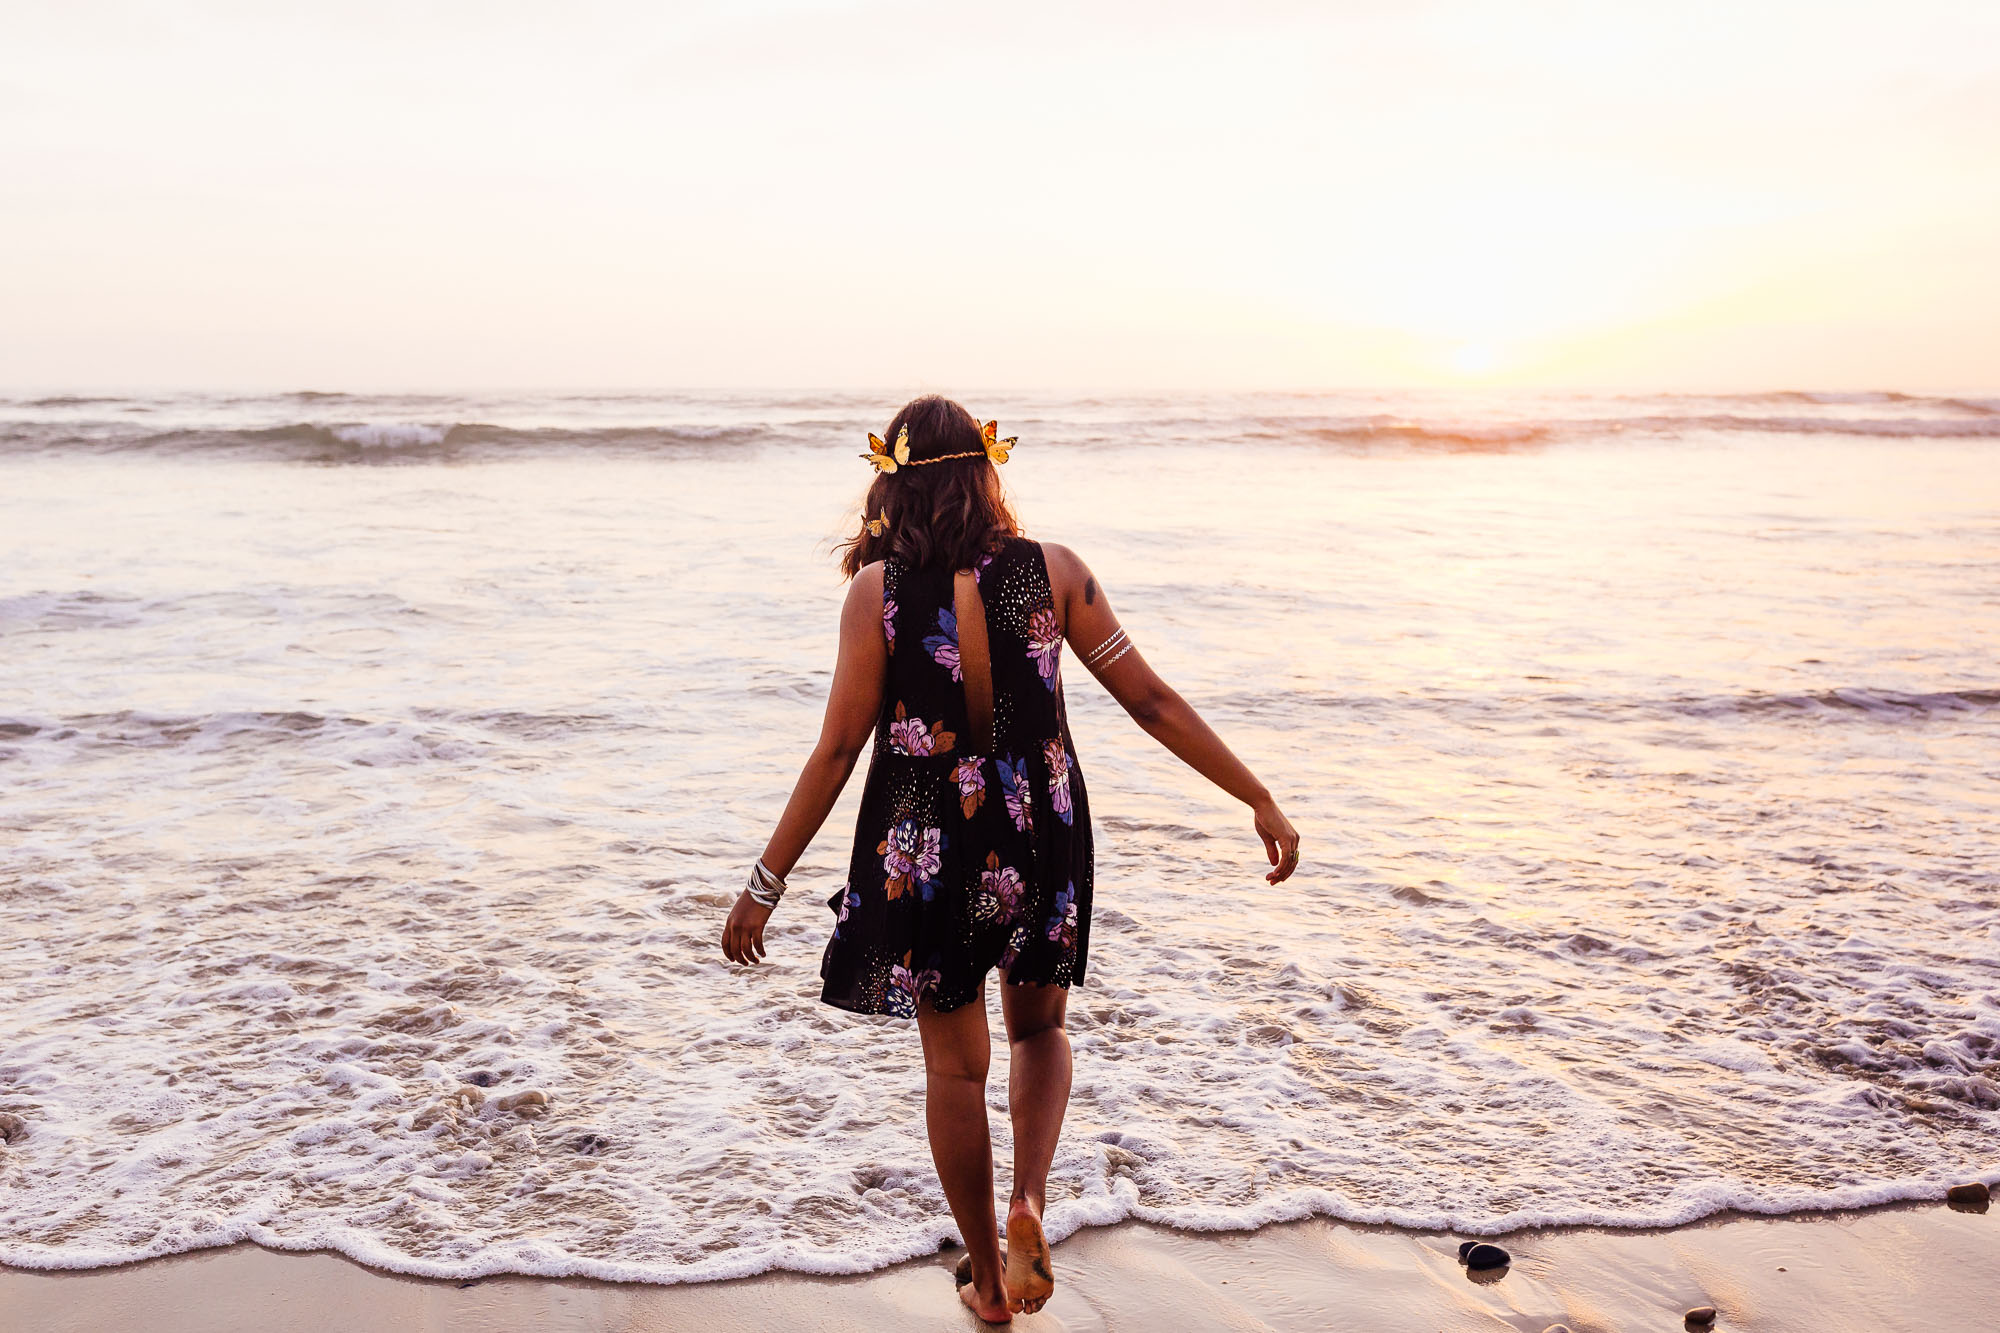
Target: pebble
{"type": "Point", "coordinates": [589, 1144]}
{"type": "Point", "coordinates": [1484, 1256]}
{"type": "Point", "coordinates": [12, 1127]}
{"type": "Point", "coordinates": [530, 1104]}
{"type": "Point", "coordinates": [1973, 1192]}
{"type": "Point", "coordinates": [1701, 1314]}
{"type": "Point", "coordinates": [481, 1078]}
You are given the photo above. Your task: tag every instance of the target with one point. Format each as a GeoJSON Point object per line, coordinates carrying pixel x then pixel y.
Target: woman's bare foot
{"type": "Point", "coordinates": [1030, 1277]}
{"type": "Point", "coordinates": [963, 1273]}
{"type": "Point", "coordinates": [990, 1306]}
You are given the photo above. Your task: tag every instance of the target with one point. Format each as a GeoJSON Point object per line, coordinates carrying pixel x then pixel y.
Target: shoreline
{"type": "Point", "coordinates": [1914, 1266]}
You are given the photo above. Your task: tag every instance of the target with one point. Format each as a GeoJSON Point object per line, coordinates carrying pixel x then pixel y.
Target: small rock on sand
{"type": "Point", "coordinates": [1701, 1315]}
{"type": "Point", "coordinates": [530, 1103]}
{"type": "Point", "coordinates": [1486, 1256]}
{"type": "Point", "coordinates": [12, 1128]}
{"type": "Point", "coordinates": [1972, 1192]}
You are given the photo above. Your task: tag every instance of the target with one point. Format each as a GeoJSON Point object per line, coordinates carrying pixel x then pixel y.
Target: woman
{"type": "Point", "coordinates": [973, 848]}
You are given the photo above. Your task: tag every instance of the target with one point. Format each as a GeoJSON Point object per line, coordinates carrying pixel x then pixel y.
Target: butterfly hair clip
{"type": "Point", "coordinates": [883, 457]}
{"type": "Point", "coordinates": [997, 449]}
{"type": "Point", "coordinates": [877, 526]}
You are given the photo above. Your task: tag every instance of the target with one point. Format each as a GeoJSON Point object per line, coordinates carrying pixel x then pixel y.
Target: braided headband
{"type": "Point", "coordinates": [886, 459]}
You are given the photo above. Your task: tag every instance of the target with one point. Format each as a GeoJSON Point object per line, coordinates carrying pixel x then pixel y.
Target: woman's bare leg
{"type": "Point", "coordinates": [1038, 1079]}
{"type": "Point", "coordinates": [957, 1050]}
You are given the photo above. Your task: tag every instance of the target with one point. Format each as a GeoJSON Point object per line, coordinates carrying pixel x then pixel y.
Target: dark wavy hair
{"type": "Point", "coordinates": [944, 515]}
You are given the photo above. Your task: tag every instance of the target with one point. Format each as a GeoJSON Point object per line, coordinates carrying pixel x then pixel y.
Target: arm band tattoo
{"type": "Point", "coordinates": [1103, 648]}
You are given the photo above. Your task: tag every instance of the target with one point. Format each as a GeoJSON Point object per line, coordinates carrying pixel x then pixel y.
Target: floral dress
{"type": "Point", "coordinates": [964, 862]}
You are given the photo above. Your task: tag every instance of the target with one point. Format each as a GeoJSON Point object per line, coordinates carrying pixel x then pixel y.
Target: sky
{"type": "Point", "coordinates": [1703, 194]}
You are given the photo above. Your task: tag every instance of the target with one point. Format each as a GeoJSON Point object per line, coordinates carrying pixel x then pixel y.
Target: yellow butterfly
{"type": "Point", "coordinates": [877, 526]}
{"type": "Point", "coordinates": [880, 455]}
{"type": "Point", "coordinates": [997, 450]}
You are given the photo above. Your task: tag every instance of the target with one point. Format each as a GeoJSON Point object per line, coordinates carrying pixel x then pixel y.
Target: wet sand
{"type": "Point", "coordinates": [1927, 1267]}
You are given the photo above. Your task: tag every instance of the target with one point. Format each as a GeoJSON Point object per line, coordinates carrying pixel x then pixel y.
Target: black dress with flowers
{"type": "Point", "coordinates": [964, 862]}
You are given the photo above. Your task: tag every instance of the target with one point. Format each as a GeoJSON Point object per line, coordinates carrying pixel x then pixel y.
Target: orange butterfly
{"type": "Point", "coordinates": [882, 457]}
{"type": "Point", "coordinates": [996, 449]}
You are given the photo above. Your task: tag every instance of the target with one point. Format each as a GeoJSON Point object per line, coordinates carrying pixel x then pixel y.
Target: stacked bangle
{"type": "Point", "coordinates": [765, 888]}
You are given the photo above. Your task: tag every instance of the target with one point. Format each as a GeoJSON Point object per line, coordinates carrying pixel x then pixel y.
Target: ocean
{"type": "Point", "coordinates": [367, 762]}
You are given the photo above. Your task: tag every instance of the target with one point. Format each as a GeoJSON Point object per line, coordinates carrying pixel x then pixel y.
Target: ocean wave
{"type": "Point", "coordinates": [1858, 703]}
{"type": "Point", "coordinates": [324, 426]}
{"type": "Point", "coordinates": [433, 730]}
{"type": "Point", "coordinates": [1471, 436]}
{"type": "Point", "coordinates": [382, 441]}
{"type": "Point", "coordinates": [1823, 398]}
{"type": "Point", "coordinates": [1454, 437]}
{"type": "Point", "coordinates": [1875, 704]}
{"type": "Point", "coordinates": [431, 733]}
{"type": "Point", "coordinates": [1985, 426]}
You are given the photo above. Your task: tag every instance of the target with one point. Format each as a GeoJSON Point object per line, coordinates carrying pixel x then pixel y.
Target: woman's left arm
{"type": "Point", "coordinates": [1169, 719]}
{"type": "Point", "coordinates": [859, 673]}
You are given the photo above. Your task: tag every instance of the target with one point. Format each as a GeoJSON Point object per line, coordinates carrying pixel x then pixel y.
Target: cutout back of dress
{"type": "Point", "coordinates": [973, 661]}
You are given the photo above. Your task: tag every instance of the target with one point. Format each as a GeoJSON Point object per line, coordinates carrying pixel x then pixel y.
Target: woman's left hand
{"type": "Point", "coordinates": [743, 933]}
{"type": "Point", "coordinates": [1281, 840]}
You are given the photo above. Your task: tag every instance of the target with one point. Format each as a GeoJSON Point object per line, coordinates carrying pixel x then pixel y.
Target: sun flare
{"type": "Point", "coordinates": [1477, 358]}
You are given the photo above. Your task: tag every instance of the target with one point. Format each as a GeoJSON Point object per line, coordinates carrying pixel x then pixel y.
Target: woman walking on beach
{"type": "Point", "coordinates": [973, 848]}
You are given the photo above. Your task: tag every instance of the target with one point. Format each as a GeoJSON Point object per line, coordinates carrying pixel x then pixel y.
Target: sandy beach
{"type": "Point", "coordinates": [1917, 1267]}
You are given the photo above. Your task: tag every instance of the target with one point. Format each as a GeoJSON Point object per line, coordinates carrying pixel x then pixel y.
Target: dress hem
{"type": "Point", "coordinates": [859, 1008]}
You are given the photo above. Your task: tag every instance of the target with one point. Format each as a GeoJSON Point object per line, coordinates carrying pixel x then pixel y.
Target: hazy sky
{"type": "Point", "coordinates": [809, 192]}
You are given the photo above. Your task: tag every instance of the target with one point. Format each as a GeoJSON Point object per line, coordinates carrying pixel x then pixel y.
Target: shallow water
{"type": "Point", "coordinates": [365, 761]}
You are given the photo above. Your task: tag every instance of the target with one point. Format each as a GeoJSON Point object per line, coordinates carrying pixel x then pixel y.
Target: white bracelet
{"type": "Point", "coordinates": [765, 889]}
{"type": "Point", "coordinates": [1113, 658]}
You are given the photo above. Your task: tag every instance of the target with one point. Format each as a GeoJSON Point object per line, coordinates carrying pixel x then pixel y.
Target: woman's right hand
{"type": "Point", "coordinates": [1281, 840]}
{"type": "Point", "coordinates": [743, 933]}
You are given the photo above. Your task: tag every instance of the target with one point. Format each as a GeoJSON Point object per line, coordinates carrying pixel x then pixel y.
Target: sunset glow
{"type": "Point", "coordinates": [1687, 195]}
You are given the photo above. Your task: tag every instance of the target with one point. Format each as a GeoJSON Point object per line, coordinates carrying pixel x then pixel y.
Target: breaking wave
{"type": "Point", "coordinates": [332, 427]}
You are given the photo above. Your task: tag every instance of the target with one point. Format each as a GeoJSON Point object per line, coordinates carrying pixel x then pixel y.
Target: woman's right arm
{"type": "Point", "coordinates": [1094, 633]}
{"type": "Point", "coordinates": [860, 673]}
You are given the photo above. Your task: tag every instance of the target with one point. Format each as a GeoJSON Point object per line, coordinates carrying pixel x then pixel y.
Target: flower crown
{"type": "Point", "coordinates": [887, 460]}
